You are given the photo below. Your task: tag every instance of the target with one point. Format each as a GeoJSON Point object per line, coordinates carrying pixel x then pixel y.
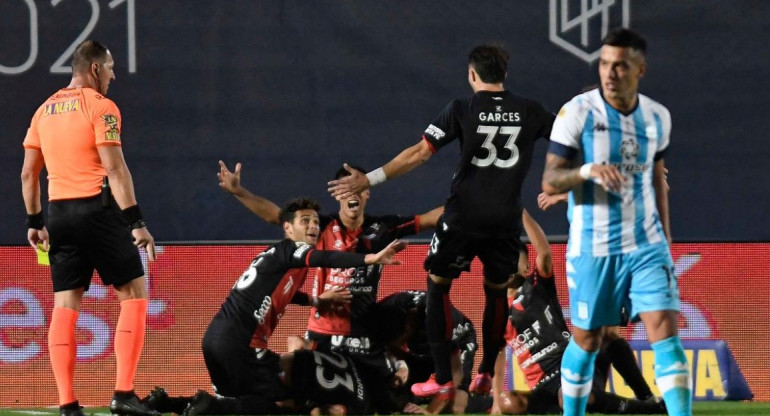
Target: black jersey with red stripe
{"type": "Point", "coordinates": [537, 331]}
{"type": "Point", "coordinates": [259, 297]}
{"type": "Point", "coordinates": [363, 282]}
{"type": "Point", "coordinates": [497, 132]}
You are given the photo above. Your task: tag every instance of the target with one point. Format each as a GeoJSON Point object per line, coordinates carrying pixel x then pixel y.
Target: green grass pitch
{"type": "Point", "coordinates": [699, 408]}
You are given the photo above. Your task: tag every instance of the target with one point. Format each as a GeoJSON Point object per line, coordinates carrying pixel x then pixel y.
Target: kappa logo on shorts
{"type": "Point", "coordinates": [113, 132]}
{"type": "Point", "coordinates": [579, 26]}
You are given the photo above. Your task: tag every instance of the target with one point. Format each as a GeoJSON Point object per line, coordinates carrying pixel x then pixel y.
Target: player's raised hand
{"type": "Point", "coordinates": [350, 185]}
{"type": "Point", "coordinates": [387, 255]}
{"type": "Point", "coordinates": [229, 181]}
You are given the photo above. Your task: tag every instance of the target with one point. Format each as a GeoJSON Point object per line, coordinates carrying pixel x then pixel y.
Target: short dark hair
{"type": "Point", "coordinates": [625, 38]}
{"type": "Point", "coordinates": [86, 53]}
{"type": "Point", "coordinates": [490, 62]}
{"type": "Point", "coordinates": [390, 321]}
{"type": "Point", "coordinates": [289, 210]}
{"type": "Point", "coordinates": [342, 172]}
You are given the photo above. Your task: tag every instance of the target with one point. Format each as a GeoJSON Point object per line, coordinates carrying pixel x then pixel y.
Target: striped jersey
{"type": "Point", "coordinates": [589, 130]}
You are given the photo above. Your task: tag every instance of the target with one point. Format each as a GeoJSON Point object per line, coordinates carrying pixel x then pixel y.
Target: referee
{"type": "Point", "coordinates": [93, 220]}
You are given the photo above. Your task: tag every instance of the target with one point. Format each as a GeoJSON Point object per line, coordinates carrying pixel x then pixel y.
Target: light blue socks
{"type": "Point", "coordinates": [672, 374]}
{"type": "Point", "coordinates": [577, 374]}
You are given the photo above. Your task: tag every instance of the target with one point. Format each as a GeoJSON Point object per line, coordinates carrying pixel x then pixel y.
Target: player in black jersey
{"type": "Point", "coordinates": [496, 131]}
{"type": "Point", "coordinates": [342, 329]}
{"type": "Point", "coordinates": [412, 346]}
{"type": "Point", "coordinates": [235, 344]}
{"type": "Point", "coordinates": [538, 335]}
{"type": "Point", "coordinates": [314, 381]}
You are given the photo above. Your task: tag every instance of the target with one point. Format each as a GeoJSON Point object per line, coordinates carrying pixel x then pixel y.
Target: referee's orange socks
{"type": "Point", "coordinates": [62, 350]}
{"type": "Point", "coordinates": [129, 340]}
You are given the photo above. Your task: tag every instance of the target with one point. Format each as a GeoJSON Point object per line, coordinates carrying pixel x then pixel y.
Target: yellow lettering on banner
{"type": "Point", "coordinates": [707, 378]}
{"type": "Point", "coordinates": [619, 384]}
{"type": "Point", "coordinates": [707, 375]}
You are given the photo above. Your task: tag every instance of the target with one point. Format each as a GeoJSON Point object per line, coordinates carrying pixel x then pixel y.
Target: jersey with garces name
{"type": "Point", "coordinates": [375, 234]}
{"type": "Point", "coordinates": [259, 297]}
{"type": "Point", "coordinates": [537, 331]}
{"type": "Point", "coordinates": [497, 132]}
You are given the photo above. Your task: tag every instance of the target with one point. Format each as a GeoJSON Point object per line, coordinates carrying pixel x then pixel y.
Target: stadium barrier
{"type": "Point", "coordinates": [725, 301]}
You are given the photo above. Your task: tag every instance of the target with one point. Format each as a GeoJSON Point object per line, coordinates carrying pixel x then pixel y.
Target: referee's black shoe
{"type": "Point", "coordinates": [156, 400]}
{"type": "Point", "coordinates": [127, 404]}
{"type": "Point", "coordinates": [200, 404]}
{"type": "Point", "coordinates": [71, 409]}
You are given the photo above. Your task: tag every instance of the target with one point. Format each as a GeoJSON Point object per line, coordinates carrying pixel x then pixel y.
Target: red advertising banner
{"type": "Point", "coordinates": [725, 296]}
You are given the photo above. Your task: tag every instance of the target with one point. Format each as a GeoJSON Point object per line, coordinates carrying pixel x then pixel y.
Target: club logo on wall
{"type": "Point", "coordinates": [578, 26]}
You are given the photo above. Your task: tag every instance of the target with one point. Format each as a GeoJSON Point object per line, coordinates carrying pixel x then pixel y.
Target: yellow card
{"type": "Point", "coordinates": [42, 256]}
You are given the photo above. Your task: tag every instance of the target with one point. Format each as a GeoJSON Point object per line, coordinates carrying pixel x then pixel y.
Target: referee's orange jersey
{"type": "Point", "coordinates": [67, 128]}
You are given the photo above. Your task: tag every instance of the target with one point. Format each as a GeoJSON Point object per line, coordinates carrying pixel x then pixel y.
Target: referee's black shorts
{"type": "Point", "coordinates": [452, 251]}
{"type": "Point", "coordinates": [85, 236]}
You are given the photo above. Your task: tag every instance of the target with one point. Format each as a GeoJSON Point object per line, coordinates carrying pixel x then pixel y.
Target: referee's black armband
{"type": "Point", "coordinates": [133, 217]}
{"type": "Point", "coordinates": [35, 221]}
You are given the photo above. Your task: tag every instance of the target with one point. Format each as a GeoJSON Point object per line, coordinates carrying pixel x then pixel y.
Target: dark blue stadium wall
{"type": "Point", "coordinates": [292, 89]}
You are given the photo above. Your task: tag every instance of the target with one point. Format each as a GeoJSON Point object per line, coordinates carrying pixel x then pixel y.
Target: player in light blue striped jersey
{"type": "Point", "coordinates": [607, 148]}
